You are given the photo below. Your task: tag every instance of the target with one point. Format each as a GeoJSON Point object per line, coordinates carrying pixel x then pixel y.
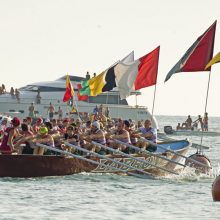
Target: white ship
{"type": "Point", "coordinates": [53, 91]}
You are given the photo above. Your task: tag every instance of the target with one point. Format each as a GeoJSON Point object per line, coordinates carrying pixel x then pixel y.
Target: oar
{"type": "Point", "coordinates": [134, 158]}
{"type": "Point", "coordinates": [107, 158]}
{"type": "Point", "coordinates": [149, 153]}
{"type": "Point", "coordinates": [85, 159]}
{"type": "Point", "coordinates": [171, 151]}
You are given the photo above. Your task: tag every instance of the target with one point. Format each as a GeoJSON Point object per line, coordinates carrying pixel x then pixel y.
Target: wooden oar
{"type": "Point", "coordinates": [107, 158]}
{"type": "Point", "coordinates": [149, 153]}
{"type": "Point", "coordinates": [134, 158]}
{"type": "Point", "coordinates": [86, 159]}
{"type": "Point", "coordinates": [171, 151]}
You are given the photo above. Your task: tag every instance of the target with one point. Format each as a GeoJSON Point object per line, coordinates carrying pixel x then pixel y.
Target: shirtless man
{"type": "Point", "coordinates": [51, 111]}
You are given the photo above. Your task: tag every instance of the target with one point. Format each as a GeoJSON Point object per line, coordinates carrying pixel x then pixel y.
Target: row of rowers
{"type": "Point", "coordinates": [22, 138]}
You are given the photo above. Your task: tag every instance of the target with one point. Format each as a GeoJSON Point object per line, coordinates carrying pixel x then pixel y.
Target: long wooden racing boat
{"type": "Point", "coordinates": [51, 165]}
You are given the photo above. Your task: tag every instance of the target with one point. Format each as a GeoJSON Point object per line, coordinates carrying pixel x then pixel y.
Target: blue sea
{"type": "Point", "coordinates": [109, 196]}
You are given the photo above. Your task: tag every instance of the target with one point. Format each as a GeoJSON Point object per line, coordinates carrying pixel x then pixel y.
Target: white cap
{"type": "Point", "coordinates": [96, 124]}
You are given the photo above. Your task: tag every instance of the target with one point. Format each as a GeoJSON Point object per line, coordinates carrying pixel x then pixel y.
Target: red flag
{"type": "Point", "coordinates": [147, 70]}
{"type": "Point", "coordinates": [198, 55]}
{"type": "Point", "coordinates": [69, 90]}
{"type": "Point", "coordinates": [81, 97]}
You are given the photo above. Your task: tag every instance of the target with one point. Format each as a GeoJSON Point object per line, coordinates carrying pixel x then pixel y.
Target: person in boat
{"type": "Point", "coordinates": [149, 133]}
{"type": "Point", "coordinates": [3, 126]}
{"type": "Point", "coordinates": [96, 135]}
{"type": "Point", "coordinates": [51, 111]}
{"type": "Point", "coordinates": [23, 144]}
{"type": "Point", "coordinates": [188, 122]}
{"type": "Point", "coordinates": [10, 134]}
{"type": "Point", "coordinates": [132, 133]}
{"type": "Point", "coordinates": [122, 135]}
{"type": "Point", "coordinates": [43, 138]}
{"type": "Point", "coordinates": [205, 122]}
{"type": "Point", "coordinates": [199, 120]}
{"type": "Point", "coordinates": [37, 125]}
{"type": "Point", "coordinates": [178, 127]}
{"type": "Point", "coordinates": [71, 138]}
{"type": "Point", "coordinates": [102, 118]}
{"type": "Point", "coordinates": [31, 110]}
{"type": "Point", "coordinates": [139, 124]}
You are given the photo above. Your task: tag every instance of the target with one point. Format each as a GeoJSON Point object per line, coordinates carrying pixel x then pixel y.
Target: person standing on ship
{"type": "Point", "coordinates": [205, 122]}
{"type": "Point", "coordinates": [51, 111]}
{"type": "Point", "coordinates": [31, 110]}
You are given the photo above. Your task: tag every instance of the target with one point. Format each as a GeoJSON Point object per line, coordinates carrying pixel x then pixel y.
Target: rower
{"type": "Point", "coordinates": [43, 138]}
{"type": "Point", "coordinates": [71, 138]}
{"type": "Point", "coordinates": [122, 135]}
{"type": "Point", "coordinates": [150, 134]}
{"type": "Point", "coordinates": [96, 135]}
{"type": "Point", "coordinates": [7, 145]}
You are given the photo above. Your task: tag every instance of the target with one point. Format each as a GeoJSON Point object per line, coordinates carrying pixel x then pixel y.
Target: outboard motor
{"type": "Point", "coordinates": [168, 129]}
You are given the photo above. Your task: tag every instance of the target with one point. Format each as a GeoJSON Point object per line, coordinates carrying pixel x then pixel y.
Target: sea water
{"type": "Point", "coordinates": [109, 196]}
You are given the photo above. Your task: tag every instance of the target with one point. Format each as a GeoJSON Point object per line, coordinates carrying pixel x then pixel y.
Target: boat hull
{"type": "Point", "coordinates": [39, 166]}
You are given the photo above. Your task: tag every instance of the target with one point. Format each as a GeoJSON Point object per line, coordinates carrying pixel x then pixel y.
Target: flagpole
{"type": "Point", "coordinates": [155, 89]}
{"type": "Point", "coordinates": [206, 103]}
{"type": "Point", "coordinates": [118, 106]}
{"type": "Point", "coordinates": [136, 108]}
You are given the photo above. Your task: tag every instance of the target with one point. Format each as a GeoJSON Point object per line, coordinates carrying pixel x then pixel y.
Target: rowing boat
{"type": "Point", "coordinates": [188, 132]}
{"type": "Point", "coordinates": [52, 165]}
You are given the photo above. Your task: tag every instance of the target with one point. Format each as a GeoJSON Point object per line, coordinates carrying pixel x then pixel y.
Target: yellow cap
{"type": "Point", "coordinates": [43, 130]}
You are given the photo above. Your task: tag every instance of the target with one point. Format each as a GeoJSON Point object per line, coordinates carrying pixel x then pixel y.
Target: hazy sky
{"type": "Point", "coordinates": [42, 40]}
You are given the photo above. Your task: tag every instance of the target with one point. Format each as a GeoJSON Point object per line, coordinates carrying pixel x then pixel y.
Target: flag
{"type": "Point", "coordinates": [73, 109]}
{"type": "Point", "coordinates": [138, 74]}
{"type": "Point", "coordinates": [198, 55]}
{"type": "Point", "coordinates": [214, 60]}
{"type": "Point", "coordinates": [103, 82]}
{"type": "Point", "coordinates": [69, 90]}
{"type": "Point", "coordinates": [81, 97]}
{"type": "Point", "coordinates": [147, 74]}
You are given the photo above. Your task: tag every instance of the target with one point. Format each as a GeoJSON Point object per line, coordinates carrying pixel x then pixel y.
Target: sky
{"type": "Point", "coordinates": [43, 40]}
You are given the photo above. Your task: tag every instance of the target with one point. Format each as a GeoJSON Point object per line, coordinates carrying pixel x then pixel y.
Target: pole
{"type": "Point", "coordinates": [206, 103]}
{"type": "Point", "coordinates": [155, 89]}
{"type": "Point", "coordinates": [136, 108]}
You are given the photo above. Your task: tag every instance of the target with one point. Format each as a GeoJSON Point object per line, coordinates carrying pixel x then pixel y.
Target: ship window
{"type": "Point", "coordinates": [104, 99]}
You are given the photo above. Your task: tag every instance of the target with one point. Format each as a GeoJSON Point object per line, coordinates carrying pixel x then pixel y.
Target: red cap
{"type": "Point", "coordinates": [15, 121]}
{"type": "Point", "coordinates": [39, 120]}
{"type": "Point", "coordinates": [66, 120]}
{"type": "Point", "coordinates": [29, 119]}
